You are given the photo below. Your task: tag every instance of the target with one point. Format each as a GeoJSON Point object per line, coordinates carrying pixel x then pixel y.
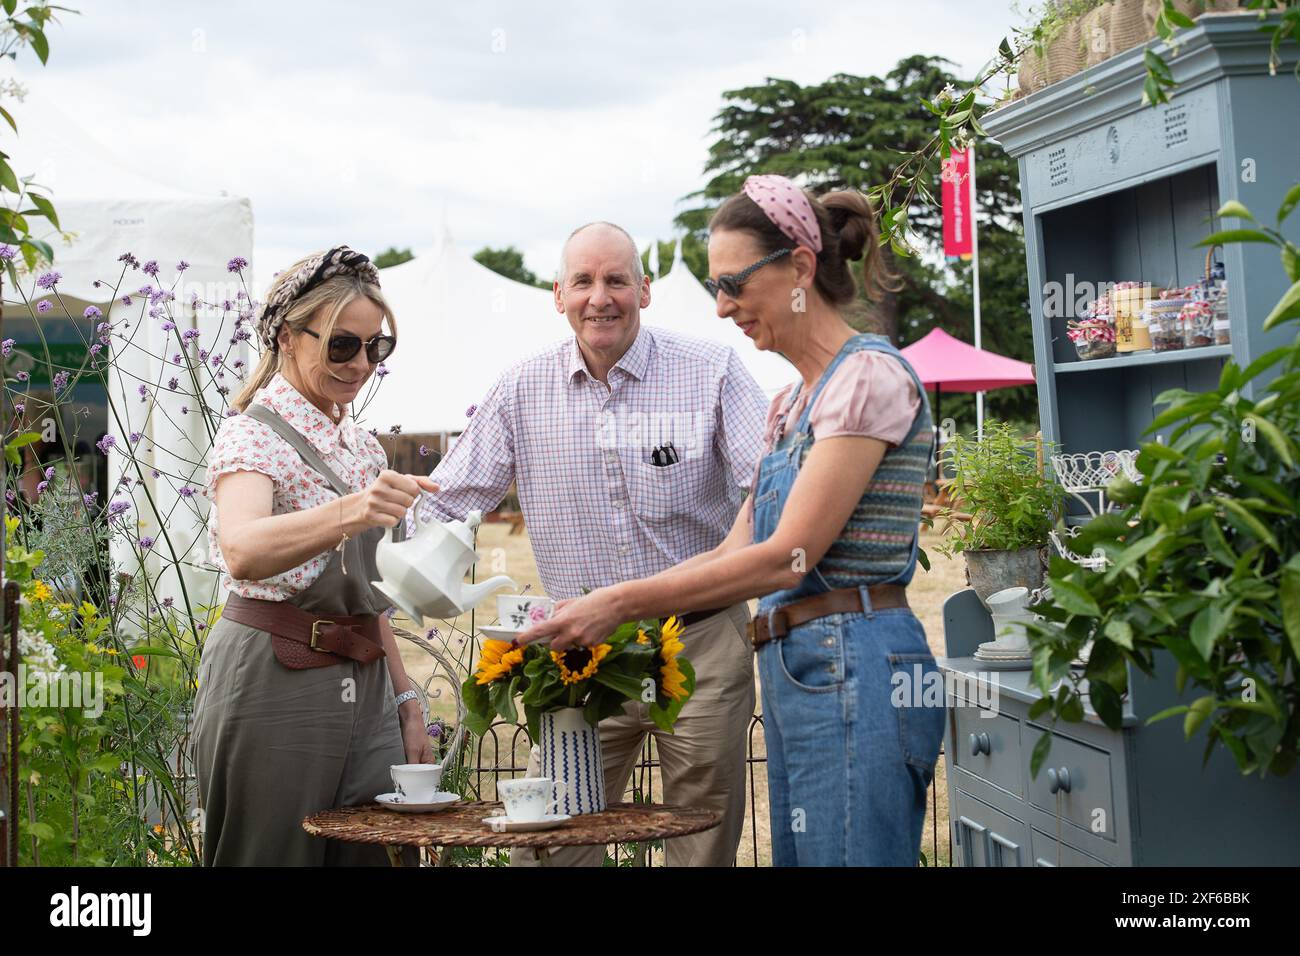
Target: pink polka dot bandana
{"type": "Point", "coordinates": [787, 206]}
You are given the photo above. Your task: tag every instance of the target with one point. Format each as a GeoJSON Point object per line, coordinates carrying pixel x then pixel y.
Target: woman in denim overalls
{"type": "Point", "coordinates": [827, 540]}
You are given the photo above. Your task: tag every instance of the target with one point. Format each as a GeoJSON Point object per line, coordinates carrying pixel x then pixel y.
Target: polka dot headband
{"type": "Point", "coordinates": [787, 206]}
{"type": "Point", "coordinates": [337, 261]}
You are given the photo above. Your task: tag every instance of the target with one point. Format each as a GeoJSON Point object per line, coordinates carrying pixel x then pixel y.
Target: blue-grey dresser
{"type": "Point", "coordinates": [1115, 191]}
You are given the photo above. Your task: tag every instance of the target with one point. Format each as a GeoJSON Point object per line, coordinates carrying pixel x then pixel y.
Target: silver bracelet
{"type": "Point", "coordinates": [406, 695]}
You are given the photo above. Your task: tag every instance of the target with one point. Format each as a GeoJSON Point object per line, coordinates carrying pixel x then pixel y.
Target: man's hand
{"type": "Point", "coordinates": [585, 621]}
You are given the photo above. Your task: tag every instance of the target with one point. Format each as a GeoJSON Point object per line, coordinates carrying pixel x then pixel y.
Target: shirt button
{"type": "Point", "coordinates": [829, 642]}
{"type": "Point", "coordinates": [620, 503]}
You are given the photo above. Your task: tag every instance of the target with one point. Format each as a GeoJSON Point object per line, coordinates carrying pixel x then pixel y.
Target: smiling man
{"type": "Point", "coordinates": [630, 448]}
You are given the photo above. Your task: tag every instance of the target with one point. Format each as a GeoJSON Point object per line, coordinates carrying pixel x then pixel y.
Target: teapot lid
{"type": "Point", "coordinates": [464, 530]}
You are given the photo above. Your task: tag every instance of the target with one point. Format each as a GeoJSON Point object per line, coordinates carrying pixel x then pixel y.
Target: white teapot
{"type": "Point", "coordinates": [425, 574]}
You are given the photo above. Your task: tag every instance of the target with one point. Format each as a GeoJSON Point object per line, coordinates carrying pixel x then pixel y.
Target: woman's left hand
{"type": "Point", "coordinates": [415, 737]}
{"type": "Point", "coordinates": [586, 621]}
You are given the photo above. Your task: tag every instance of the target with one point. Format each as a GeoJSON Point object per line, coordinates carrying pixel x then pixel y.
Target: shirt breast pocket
{"type": "Point", "coordinates": [665, 492]}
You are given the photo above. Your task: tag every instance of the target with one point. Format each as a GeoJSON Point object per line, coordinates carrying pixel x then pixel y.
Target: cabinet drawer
{"type": "Point", "coordinates": [988, 837]}
{"type": "Point", "coordinates": [1081, 775]}
{"type": "Point", "coordinates": [1045, 852]}
{"type": "Point", "coordinates": [988, 746]}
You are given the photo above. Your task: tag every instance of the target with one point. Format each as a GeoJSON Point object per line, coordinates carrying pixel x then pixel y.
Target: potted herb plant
{"type": "Point", "coordinates": [1005, 502]}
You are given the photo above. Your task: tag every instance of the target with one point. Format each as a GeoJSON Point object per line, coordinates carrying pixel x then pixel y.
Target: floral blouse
{"type": "Point", "coordinates": [243, 444]}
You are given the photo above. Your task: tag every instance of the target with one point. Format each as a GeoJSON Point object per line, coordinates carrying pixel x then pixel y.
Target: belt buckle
{"type": "Point", "coordinates": [315, 634]}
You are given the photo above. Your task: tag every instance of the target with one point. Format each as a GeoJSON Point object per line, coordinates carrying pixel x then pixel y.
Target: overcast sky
{"type": "Point", "coordinates": [366, 123]}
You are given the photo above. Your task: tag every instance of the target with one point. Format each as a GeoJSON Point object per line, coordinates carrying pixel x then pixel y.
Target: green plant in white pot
{"type": "Point", "coordinates": [1005, 501]}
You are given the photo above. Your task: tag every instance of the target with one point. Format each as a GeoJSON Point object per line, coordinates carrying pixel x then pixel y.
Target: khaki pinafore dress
{"type": "Point", "coordinates": [274, 745]}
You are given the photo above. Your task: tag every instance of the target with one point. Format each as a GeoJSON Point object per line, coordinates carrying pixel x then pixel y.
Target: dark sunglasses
{"type": "Point", "coordinates": [731, 284]}
{"type": "Point", "coordinates": [345, 345]}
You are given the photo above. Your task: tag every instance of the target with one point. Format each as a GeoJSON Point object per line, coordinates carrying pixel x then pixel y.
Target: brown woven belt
{"type": "Point", "coordinates": [317, 639]}
{"type": "Point", "coordinates": [839, 601]}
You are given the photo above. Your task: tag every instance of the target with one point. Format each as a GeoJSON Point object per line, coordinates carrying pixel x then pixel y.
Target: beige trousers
{"type": "Point", "coordinates": [702, 761]}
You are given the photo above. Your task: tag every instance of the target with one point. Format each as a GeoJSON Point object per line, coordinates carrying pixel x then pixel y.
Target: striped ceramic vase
{"type": "Point", "coordinates": [571, 757]}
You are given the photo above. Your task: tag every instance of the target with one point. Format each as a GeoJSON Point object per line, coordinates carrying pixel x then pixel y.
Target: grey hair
{"type": "Point", "coordinates": [637, 272]}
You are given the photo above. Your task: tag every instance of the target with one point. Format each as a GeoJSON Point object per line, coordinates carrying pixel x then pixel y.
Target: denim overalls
{"type": "Point", "coordinates": [853, 709]}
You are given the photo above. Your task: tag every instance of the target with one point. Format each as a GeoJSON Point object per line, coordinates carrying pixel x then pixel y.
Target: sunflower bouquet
{"type": "Point", "coordinates": [641, 661]}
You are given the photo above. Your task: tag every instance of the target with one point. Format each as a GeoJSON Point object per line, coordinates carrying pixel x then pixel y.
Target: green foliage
{"type": "Point", "coordinates": [25, 27]}
{"type": "Point", "coordinates": [392, 256]}
{"type": "Point", "coordinates": [851, 132]}
{"type": "Point", "coordinates": [509, 262]}
{"type": "Point", "coordinates": [1204, 562]}
{"type": "Point", "coordinates": [1011, 499]}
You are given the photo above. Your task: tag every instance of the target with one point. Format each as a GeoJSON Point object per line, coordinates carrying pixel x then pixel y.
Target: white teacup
{"type": "Point", "coordinates": [527, 799]}
{"type": "Point", "coordinates": [521, 611]}
{"type": "Point", "coordinates": [416, 782]}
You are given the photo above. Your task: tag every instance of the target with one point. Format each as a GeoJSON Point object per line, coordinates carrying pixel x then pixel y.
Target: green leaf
{"type": "Point", "coordinates": [1288, 307]}
{"type": "Point", "coordinates": [1106, 702]}
{"type": "Point", "coordinates": [1232, 208]}
{"type": "Point", "coordinates": [40, 46]}
{"type": "Point", "coordinates": [1074, 598]}
{"type": "Point", "coordinates": [628, 686]}
{"type": "Point", "coordinates": [1281, 444]}
{"type": "Point", "coordinates": [1200, 709]}
{"type": "Point", "coordinates": [46, 207]}
{"type": "Point", "coordinates": [1236, 235]}
{"type": "Point", "coordinates": [1247, 522]}
{"type": "Point", "coordinates": [1041, 750]}
{"type": "Point", "coordinates": [1167, 713]}
{"type": "Point", "coordinates": [1289, 202]}
{"type": "Point", "coordinates": [7, 178]}
{"type": "Point", "coordinates": [1289, 593]}
{"type": "Point", "coordinates": [1181, 19]}
{"type": "Point", "coordinates": [1120, 631]}
{"type": "Point", "coordinates": [1209, 625]}
{"type": "Point", "coordinates": [42, 831]}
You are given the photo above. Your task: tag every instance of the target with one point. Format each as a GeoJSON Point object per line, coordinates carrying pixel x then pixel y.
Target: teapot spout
{"type": "Point", "coordinates": [473, 594]}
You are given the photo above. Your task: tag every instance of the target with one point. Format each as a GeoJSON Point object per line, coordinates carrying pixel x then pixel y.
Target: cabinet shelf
{"type": "Point", "coordinates": [1145, 358]}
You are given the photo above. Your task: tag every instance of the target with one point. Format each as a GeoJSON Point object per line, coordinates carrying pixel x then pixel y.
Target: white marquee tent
{"type": "Point", "coordinates": [461, 325]}
{"type": "Point", "coordinates": [110, 206]}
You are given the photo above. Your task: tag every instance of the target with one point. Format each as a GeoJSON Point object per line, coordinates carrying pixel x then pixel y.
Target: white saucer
{"type": "Point", "coordinates": [501, 633]}
{"type": "Point", "coordinates": [504, 824]}
{"type": "Point", "coordinates": [395, 801]}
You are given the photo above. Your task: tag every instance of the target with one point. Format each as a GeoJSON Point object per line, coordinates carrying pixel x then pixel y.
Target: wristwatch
{"type": "Point", "coordinates": [406, 695]}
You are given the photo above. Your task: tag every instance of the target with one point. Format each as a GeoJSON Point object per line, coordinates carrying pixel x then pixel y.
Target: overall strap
{"type": "Point", "coordinates": [270, 419]}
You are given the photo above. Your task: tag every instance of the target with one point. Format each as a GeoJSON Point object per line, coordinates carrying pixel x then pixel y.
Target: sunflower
{"type": "Point", "coordinates": [498, 660]}
{"type": "Point", "coordinates": [641, 637]}
{"type": "Point", "coordinates": [672, 679]}
{"type": "Point", "coordinates": [578, 663]}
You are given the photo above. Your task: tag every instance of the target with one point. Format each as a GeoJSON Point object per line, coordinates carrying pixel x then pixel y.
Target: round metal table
{"type": "Point", "coordinates": [462, 824]}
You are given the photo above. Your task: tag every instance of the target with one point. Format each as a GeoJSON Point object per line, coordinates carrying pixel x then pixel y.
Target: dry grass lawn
{"type": "Point", "coordinates": [502, 552]}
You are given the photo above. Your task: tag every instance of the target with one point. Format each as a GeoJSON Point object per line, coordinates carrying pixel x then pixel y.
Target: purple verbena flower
{"type": "Point", "coordinates": [189, 335]}
{"type": "Point", "coordinates": [92, 312]}
{"type": "Point", "coordinates": [168, 326]}
{"type": "Point", "coordinates": [424, 451]}
{"type": "Point", "coordinates": [146, 543]}
{"type": "Point", "coordinates": [134, 437]}
{"type": "Point", "coordinates": [22, 376]}
{"type": "Point", "coordinates": [7, 251]}
{"type": "Point", "coordinates": [105, 443]}
{"type": "Point", "coordinates": [89, 500]}
{"type": "Point", "coordinates": [117, 506]}
{"type": "Point", "coordinates": [44, 305]}
{"type": "Point", "coordinates": [381, 370]}
{"type": "Point", "coordinates": [182, 266]}
{"type": "Point", "coordinates": [237, 264]}
{"type": "Point", "coordinates": [7, 346]}
{"type": "Point", "coordinates": [60, 380]}
{"type": "Point", "coordinates": [185, 409]}
{"type": "Point", "coordinates": [126, 300]}
{"type": "Point", "coordinates": [49, 280]}
{"type": "Point", "coordinates": [469, 412]}
{"type": "Point", "coordinates": [150, 268]}
{"type": "Point", "coordinates": [129, 259]}
{"type": "Point", "coordinates": [186, 491]}
{"type": "Point", "coordinates": [41, 486]}
{"type": "Point", "coordinates": [172, 383]}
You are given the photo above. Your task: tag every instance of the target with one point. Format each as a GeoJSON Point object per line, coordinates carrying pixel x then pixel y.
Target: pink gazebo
{"type": "Point", "coordinates": [943, 362]}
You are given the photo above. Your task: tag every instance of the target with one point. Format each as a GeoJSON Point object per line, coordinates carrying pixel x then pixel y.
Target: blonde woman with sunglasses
{"type": "Point", "coordinates": [303, 701]}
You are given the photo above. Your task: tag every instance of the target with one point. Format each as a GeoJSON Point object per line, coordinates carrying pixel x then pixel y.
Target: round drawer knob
{"type": "Point", "coordinates": [979, 744]}
{"type": "Point", "coordinates": [1058, 780]}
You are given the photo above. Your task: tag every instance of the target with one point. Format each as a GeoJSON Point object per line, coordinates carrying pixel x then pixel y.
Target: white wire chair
{"type": "Point", "coordinates": [1085, 476]}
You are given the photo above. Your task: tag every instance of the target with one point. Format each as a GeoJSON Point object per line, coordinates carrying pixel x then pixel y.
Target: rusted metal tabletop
{"type": "Point", "coordinates": [462, 824]}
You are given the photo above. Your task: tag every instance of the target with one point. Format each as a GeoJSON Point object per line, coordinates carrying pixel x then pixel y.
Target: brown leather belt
{"type": "Point", "coordinates": [839, 601]}
{"type": "Point", "coordinates": [305, 639]}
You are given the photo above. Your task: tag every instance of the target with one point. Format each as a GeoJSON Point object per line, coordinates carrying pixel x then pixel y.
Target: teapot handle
{"type": "Point", "coordinates": [399, 529]}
